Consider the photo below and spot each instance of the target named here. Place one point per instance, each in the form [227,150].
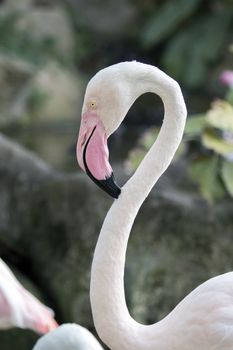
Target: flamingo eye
[92,104]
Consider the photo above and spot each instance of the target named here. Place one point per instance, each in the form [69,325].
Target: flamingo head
[106,102]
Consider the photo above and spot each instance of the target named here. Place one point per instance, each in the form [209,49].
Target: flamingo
[203,320]
[68,337]
[19,308]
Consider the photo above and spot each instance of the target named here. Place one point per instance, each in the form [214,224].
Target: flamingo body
[204,319]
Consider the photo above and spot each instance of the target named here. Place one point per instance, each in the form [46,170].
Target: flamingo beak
[92,154]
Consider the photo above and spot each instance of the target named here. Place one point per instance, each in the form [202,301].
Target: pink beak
[19,308]
[92,153]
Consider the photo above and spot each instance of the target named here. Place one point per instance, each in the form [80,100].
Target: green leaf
[195,125]
[227,176]
[221,115]
[166,19]
[229,96]
[205,172]
[189,62]
[180,152]
[212,141]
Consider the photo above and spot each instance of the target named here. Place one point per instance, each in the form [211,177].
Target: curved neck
[111,317]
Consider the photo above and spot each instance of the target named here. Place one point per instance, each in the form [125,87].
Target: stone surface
[11,4]
[31,94]
[37,76]
[38,190]
[50,223]
[43,20]
[14,77]
[49,24]
[55,93]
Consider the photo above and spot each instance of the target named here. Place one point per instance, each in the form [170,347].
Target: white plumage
[68,337]
[204,319]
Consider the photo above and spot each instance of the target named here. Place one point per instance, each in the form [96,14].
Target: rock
[14,77]
[25,4]
[43,22]
[55,93]
[51,221]
[184,245]
[36,75]
[17,339]
[31,94]
[51,25]
[55,187]
[11,4]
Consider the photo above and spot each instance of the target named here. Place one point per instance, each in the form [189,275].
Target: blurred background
[50,213]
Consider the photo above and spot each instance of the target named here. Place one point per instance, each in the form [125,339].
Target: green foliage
[36,99]
[213,170]
[167,18]
[195,35]
[205,171]
[190,53]
[19,43]
[215,142]
[194,126]
[229,96]
[209,140]
[227,176]
[220,116]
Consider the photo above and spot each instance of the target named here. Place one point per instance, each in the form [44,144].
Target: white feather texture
[68,337]
[204,319]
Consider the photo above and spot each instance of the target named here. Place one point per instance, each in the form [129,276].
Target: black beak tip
[109,185]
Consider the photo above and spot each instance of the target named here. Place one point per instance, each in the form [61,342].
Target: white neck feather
[111,317]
